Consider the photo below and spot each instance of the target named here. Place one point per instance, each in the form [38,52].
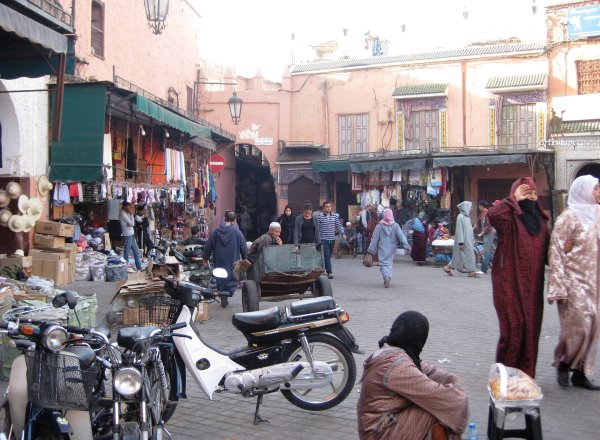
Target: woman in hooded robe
[574,283]
[418,251]
[518,275]
[384,242]
[463,253]
[403,397]
[370,230]
[287,222]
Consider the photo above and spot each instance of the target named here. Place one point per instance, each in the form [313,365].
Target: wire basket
[56,380]
[158,310]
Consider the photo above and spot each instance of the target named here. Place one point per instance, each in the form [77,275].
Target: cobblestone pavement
[463,335]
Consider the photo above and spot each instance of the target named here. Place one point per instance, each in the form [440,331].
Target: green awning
[78,155]
[388,165]
[171,118]
[490,159]
[328,166]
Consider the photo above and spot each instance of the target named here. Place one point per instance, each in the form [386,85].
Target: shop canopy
[29,48]
[171,118]
[472,159]
[78,155]
[388,165]
[330,166]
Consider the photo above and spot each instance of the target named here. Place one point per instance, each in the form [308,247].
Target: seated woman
[403,397]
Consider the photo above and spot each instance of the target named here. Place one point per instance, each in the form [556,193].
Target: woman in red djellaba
[518,275]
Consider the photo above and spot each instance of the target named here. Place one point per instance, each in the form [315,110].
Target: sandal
[473,275]
[448,271]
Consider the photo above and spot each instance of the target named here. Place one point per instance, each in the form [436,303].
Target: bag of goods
[511,384]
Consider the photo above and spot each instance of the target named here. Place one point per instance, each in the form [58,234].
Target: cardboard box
[202,314]
[131,316]
[69,252]
[54,228]
[56,270]
[24,262]
[48,241]
[44,254]
[156,270]
[65,210]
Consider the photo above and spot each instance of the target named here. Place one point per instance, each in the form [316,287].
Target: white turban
[274,225]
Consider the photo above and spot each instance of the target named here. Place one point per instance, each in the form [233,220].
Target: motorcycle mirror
[59,300]
[219,272]
[71,299]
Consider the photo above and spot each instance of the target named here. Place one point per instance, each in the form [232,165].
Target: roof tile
[507,82]
[421,89]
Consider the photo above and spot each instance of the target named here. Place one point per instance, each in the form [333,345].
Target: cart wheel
[322,287]
[250,297]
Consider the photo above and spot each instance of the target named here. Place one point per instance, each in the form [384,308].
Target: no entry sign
[216,164]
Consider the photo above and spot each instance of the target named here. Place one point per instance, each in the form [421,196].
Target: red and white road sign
[216,164]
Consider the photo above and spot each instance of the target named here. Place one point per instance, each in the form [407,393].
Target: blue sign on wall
[584,22]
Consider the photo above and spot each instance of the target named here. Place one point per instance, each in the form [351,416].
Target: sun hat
[13,189]
[44,185]
[34,211]
[4,198]
[5,216]
[16,223]
[23,203]
[29,223]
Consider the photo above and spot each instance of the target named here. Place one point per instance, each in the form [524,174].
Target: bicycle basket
[56,380]
[157,310]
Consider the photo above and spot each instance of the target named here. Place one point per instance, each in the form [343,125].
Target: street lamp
[156,14]
[235,108]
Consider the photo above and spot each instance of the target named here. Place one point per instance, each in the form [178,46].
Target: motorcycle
[190,259]
[306,352]
[56,386]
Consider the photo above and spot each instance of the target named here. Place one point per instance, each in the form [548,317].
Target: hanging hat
[17,253]
[35,208]
[44,185]
[13,189]
[23,203]
[16,223]
[5,215]
[4,198]
[29,223]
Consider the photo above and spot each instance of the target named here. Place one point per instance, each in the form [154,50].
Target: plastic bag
[368,260]
[510,384]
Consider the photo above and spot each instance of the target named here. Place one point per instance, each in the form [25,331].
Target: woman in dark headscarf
[518,275]
[403,397]
[287,222]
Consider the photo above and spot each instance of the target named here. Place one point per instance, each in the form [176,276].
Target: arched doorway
[301,190]
[590,168]
[254,188]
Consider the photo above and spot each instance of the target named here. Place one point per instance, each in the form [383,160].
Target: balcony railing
[128,85]
[57,9]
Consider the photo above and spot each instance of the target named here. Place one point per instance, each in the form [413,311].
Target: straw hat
[23,203]
[44,185]
[16,223]
[13,189]
[4,199]
[35,208]
[5,215]
[29,223]
[17,253]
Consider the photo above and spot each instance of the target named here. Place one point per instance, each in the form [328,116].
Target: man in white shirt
[127,223]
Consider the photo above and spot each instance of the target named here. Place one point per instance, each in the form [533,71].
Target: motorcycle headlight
[55,338]
[127,381]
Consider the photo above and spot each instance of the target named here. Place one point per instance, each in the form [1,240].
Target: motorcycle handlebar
[77,329]
[178,326]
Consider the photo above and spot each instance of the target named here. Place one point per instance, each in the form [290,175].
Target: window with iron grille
[422,131]
[98,28]
[353,134]
[517,126]
[588,76]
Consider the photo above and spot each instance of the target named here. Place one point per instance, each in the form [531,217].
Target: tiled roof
[517,81]
[580,126]
[468,52]
[421,89]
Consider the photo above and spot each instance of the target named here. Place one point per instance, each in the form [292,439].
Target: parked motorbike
[306,353]
[56,388]
[190,259]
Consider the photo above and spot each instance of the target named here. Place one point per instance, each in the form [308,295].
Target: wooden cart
[282,272]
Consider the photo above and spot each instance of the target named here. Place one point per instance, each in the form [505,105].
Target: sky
[257,35]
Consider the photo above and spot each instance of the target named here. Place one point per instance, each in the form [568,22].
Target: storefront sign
[216,163]
[263,141]
[584,22]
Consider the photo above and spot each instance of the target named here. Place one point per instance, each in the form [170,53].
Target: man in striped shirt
[329,223]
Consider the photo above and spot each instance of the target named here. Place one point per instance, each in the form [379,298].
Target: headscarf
[409,332]
[582,201]
[388,217]
[531,214]
[465,207]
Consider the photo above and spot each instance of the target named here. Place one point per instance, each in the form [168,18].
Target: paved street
[463,331]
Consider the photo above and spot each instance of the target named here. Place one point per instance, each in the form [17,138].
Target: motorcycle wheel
[250,297]
[5,420]
[159,408]
[331,350]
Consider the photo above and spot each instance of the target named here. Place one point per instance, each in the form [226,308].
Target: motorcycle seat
[86,355]
[132,338]
[312,305]
[250,322]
